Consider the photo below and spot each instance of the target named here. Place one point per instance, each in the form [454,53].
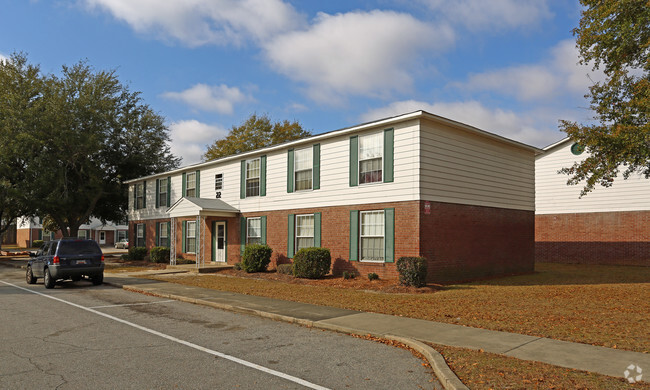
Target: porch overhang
[193,207]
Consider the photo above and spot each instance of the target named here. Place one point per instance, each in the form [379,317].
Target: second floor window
[253,177]
[190,185]
[303,163]
[162,193]
[139,196]
[371,148]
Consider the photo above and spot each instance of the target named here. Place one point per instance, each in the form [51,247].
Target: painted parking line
[179,341]
[131,304]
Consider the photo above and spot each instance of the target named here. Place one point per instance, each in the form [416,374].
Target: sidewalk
[601,360]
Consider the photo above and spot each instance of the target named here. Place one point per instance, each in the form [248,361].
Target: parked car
[122,244]
[66,259]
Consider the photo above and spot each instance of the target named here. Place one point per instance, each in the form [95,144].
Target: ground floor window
[253,230]
[82,234]
[190,237]
[139,235]
[304,231]
[372,235]
[163,235]
[121,235]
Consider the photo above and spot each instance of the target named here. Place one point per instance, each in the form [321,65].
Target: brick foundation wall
[610,238]
[463,242]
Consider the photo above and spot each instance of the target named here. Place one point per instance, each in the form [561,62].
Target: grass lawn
[599,305]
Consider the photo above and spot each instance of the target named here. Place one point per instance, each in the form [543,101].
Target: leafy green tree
[255,133]
[90,133]
[615,35]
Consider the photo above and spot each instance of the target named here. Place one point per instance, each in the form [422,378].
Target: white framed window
[162,193]
[303,168]
[372,235]
[190,185]
[82,234]
[253,177]
[253,230]
[190,237]
[163,235]
[304,231]
[139,196]
[371,150]
[218,181]
[121,235]
[139,235]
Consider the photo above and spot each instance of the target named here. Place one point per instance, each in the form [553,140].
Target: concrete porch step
[204,269]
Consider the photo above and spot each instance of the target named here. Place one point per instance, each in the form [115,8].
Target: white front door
[219,242]
[102,237]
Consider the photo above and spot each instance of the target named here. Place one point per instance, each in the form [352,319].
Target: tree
[90,135]
[255,133]
[615,35]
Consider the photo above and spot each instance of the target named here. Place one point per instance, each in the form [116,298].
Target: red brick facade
[615,238]
[460,242]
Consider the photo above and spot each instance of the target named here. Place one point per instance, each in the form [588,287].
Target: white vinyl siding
[253,231]
[371,150]
[554,196]
[304,231]
[303,168]
[371,238]
[465,168]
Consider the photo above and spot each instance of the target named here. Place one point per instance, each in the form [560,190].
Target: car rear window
[79,248]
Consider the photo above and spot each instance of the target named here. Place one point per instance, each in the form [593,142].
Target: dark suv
[66,259]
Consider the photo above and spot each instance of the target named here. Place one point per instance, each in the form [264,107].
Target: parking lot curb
[445,375]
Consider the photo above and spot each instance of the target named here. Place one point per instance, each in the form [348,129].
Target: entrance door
[219,242]
[102,237]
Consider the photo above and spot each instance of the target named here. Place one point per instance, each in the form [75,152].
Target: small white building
[30,229]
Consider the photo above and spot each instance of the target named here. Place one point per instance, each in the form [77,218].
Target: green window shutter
[169,193]
[184,188]
[389,235]
[316,167]
[198,184]
[263,223]
[290,238]
[144,195]
[290,170]
[354,235]
[354,161]
[213,253]
[157,235]
[157,192]
[183,240]
[144,234]
[40,234]
[242,230]
[389,155]
[242,182]
[317,223]
[263,176]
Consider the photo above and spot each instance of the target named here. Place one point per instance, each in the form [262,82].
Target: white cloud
[528,128]
[190,139]
[492,14]
[3,57]
[558,75]
[358,53]
[200,22]
[219,98]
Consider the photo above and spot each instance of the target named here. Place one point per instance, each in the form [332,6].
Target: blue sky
[506,66]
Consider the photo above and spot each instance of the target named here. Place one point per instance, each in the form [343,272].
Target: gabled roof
[191,207]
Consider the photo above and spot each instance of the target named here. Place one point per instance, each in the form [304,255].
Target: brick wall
[463,242]
[615,238]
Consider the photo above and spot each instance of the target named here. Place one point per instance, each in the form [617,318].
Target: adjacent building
[411,185]
[607,226]
[106,234]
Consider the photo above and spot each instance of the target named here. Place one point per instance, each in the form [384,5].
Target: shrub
[312,263]
[348,275]
[412,271]
[256,258]
[237,266]
[159,254]
[373,276]
[37,243]
[137,253]
[181,260]
[285,269]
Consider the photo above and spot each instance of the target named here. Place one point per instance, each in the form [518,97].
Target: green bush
[412,271]
[37,243]
[237,266]
[285,269]
[256,258]
[137,253]
[159,254]
[312,263]
[348,275]
[373,276]
[181,260]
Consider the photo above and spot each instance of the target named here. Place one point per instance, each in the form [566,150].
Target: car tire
[98,279]
[29,276]
[48,280]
